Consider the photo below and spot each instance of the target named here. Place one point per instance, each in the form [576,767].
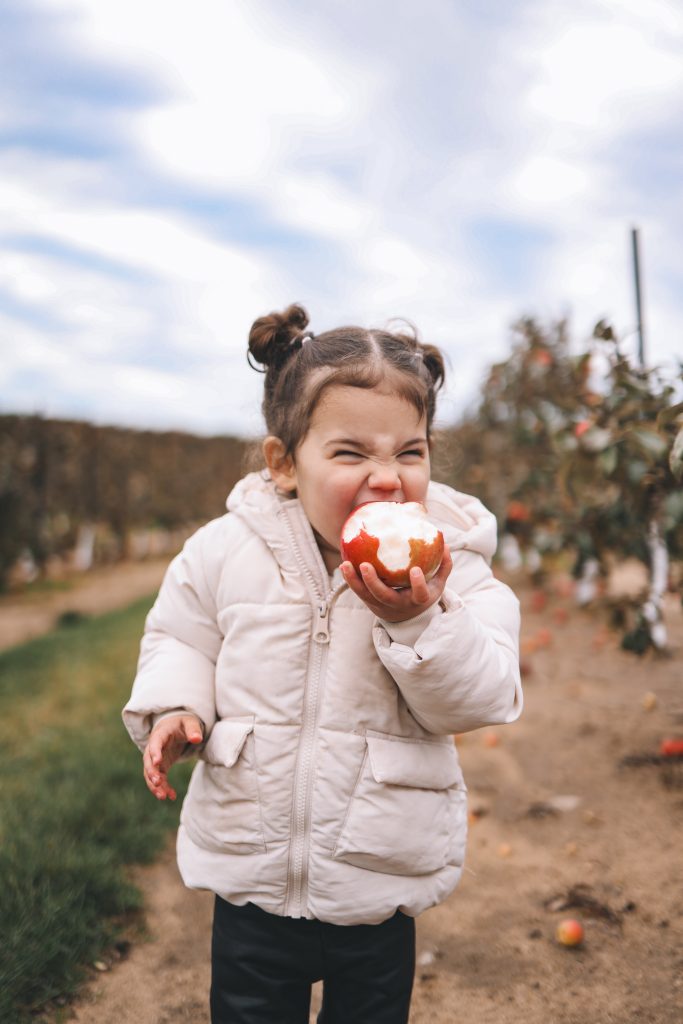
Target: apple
[541,357]
[671,748]
[518,512]
[393,536]
[569,932]
[544,637]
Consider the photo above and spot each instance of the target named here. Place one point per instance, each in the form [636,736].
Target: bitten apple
[393,536]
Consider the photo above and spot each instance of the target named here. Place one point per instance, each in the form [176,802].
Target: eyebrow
[359,444]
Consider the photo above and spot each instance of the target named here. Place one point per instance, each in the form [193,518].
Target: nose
[384,477]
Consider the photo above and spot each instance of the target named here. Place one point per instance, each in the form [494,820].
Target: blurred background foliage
[579,452]
[66,485]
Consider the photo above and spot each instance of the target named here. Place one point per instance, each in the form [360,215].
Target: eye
[347,454]
[414,451]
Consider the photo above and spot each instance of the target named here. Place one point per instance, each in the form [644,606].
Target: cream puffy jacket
[328,785]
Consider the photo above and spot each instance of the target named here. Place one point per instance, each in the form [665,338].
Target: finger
[156,744]
[192,729]
[158,785]
[446,565]
[352,578]
[379,590]
[418,585]
[147,764]
[151,773]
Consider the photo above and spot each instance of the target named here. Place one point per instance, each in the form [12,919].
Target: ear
[280,466]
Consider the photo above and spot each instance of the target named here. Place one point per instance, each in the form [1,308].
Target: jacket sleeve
[179,648]
[462,671]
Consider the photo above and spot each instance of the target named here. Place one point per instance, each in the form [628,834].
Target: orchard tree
[510,445]
[571,457]
[620,471]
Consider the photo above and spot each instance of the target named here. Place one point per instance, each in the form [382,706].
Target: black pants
[263,966]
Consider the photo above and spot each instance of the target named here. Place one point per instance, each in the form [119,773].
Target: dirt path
[488,954]
[25,616]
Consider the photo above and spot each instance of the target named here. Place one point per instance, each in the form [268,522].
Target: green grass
[74,810]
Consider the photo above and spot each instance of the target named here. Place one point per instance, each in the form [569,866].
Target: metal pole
[639,301]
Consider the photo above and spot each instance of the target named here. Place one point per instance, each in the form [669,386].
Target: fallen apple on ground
[569,932]
[394,537]
[544,637]
[671,748]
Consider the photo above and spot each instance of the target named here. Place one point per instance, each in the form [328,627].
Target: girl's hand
[168,739]
[397,605]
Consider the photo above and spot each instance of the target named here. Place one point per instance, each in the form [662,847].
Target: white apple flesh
[393,536]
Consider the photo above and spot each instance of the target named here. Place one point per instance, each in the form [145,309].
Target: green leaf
[595,439]
[604,331]
[676,456]
[636,470]
[649,442]
[608,460]
[669,415]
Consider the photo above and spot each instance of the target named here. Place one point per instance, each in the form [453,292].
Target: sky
[170,171]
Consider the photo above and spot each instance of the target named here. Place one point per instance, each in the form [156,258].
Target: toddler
[327,809]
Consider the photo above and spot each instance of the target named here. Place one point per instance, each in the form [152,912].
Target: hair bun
[271,336]
[434,362]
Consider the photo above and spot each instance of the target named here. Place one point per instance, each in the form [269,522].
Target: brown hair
[300,366]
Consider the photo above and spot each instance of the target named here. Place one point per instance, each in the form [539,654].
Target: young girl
[328,808]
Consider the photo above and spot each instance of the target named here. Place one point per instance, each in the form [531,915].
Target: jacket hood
[465,522]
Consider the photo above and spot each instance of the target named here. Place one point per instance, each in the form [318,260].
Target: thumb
[192,729]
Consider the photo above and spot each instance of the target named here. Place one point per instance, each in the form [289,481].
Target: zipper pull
[322,632]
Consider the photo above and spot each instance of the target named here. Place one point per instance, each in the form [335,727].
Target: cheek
[331,501]
[416,483]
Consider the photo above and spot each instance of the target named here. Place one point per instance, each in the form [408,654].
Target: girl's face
[362,445]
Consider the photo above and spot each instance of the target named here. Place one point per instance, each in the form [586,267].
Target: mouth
[371,501]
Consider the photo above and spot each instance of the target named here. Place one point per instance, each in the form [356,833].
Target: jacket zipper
[297,871]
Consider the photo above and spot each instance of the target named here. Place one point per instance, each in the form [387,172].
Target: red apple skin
[671,748]
[569,932]
[364,548]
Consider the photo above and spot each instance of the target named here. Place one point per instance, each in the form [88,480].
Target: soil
[35,611]
[572,814]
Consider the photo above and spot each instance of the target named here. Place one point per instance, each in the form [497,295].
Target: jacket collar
[282,524]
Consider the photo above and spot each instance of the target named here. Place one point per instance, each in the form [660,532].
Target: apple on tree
[393,536]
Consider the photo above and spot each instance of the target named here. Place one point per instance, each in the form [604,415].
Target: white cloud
[597,75]
[202,278]
[547,181]
[244,89]
[353,146]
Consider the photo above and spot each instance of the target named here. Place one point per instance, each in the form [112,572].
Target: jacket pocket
[223,808]
[407,814]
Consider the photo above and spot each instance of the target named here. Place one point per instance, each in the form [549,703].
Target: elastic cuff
[408,631]
[170,714]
